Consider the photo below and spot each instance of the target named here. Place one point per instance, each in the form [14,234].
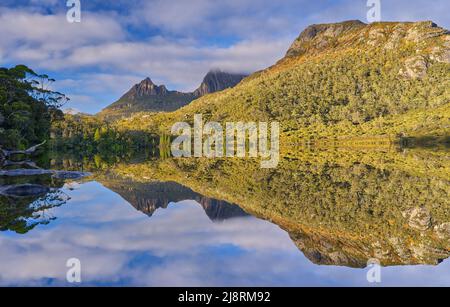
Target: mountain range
[150,197]
[149,97]
[340,79]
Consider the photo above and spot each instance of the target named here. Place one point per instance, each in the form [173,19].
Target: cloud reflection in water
[178,246]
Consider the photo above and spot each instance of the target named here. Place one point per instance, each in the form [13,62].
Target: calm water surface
[164,234]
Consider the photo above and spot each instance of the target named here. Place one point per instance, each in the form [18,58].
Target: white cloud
[176,41]
[52,33]
[175,62]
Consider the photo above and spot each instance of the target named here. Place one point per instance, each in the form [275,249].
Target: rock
[64,175]
[147,96]
[443,231]
[429,254]
[70,175]
[400,248]
[396,37]
[24,190]
[415,68]
[216,81]
[318,36]
[419,218]
[376,36]
[424,30]
[442,54]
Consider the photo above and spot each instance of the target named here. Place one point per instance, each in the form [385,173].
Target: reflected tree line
[28,202]
[340,209]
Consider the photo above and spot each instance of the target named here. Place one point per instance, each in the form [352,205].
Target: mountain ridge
[147,96]
[339,79]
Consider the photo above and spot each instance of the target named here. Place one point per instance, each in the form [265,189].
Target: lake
[316,220]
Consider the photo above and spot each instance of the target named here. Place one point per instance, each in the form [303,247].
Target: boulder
[24,190]
[419,218]
[415,68]
[63,175]
[443,231]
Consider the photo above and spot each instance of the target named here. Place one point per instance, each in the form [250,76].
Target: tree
[27,107]
[97,135]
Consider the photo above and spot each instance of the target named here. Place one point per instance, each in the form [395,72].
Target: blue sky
[118,43]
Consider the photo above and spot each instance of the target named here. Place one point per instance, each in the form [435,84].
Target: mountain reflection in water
[228,223]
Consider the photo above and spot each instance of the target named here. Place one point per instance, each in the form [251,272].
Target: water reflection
[177,246]
[149,197]
[160,223]
[23,206]
[119,245]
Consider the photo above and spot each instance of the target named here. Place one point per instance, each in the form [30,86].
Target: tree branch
[29,151]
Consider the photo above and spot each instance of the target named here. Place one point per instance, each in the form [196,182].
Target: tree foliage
[27,107]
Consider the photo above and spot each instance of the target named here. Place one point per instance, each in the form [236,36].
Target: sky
[119,43]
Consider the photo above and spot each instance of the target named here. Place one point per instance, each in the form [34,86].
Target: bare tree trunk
[29,164]
[29,151]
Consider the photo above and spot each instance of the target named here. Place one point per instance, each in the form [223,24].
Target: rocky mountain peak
[318,35]
[146,88]
[217,80]
[147,81]
[356,34]
[147,96]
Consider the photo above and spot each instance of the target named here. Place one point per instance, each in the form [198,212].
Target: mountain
[149,97]
[75,112]
[216,81]
[146,96]
[342,79]
[150,197]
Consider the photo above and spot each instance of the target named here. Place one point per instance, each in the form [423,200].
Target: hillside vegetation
[340,79]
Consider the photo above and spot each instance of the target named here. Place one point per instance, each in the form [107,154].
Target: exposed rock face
[442,54]
[415,67]
[216,81]
[443,231]
[325,251]
[418,218]
[148,97]
[219,211]
[423,30]
[321,36]
[389,36]
[144,89]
